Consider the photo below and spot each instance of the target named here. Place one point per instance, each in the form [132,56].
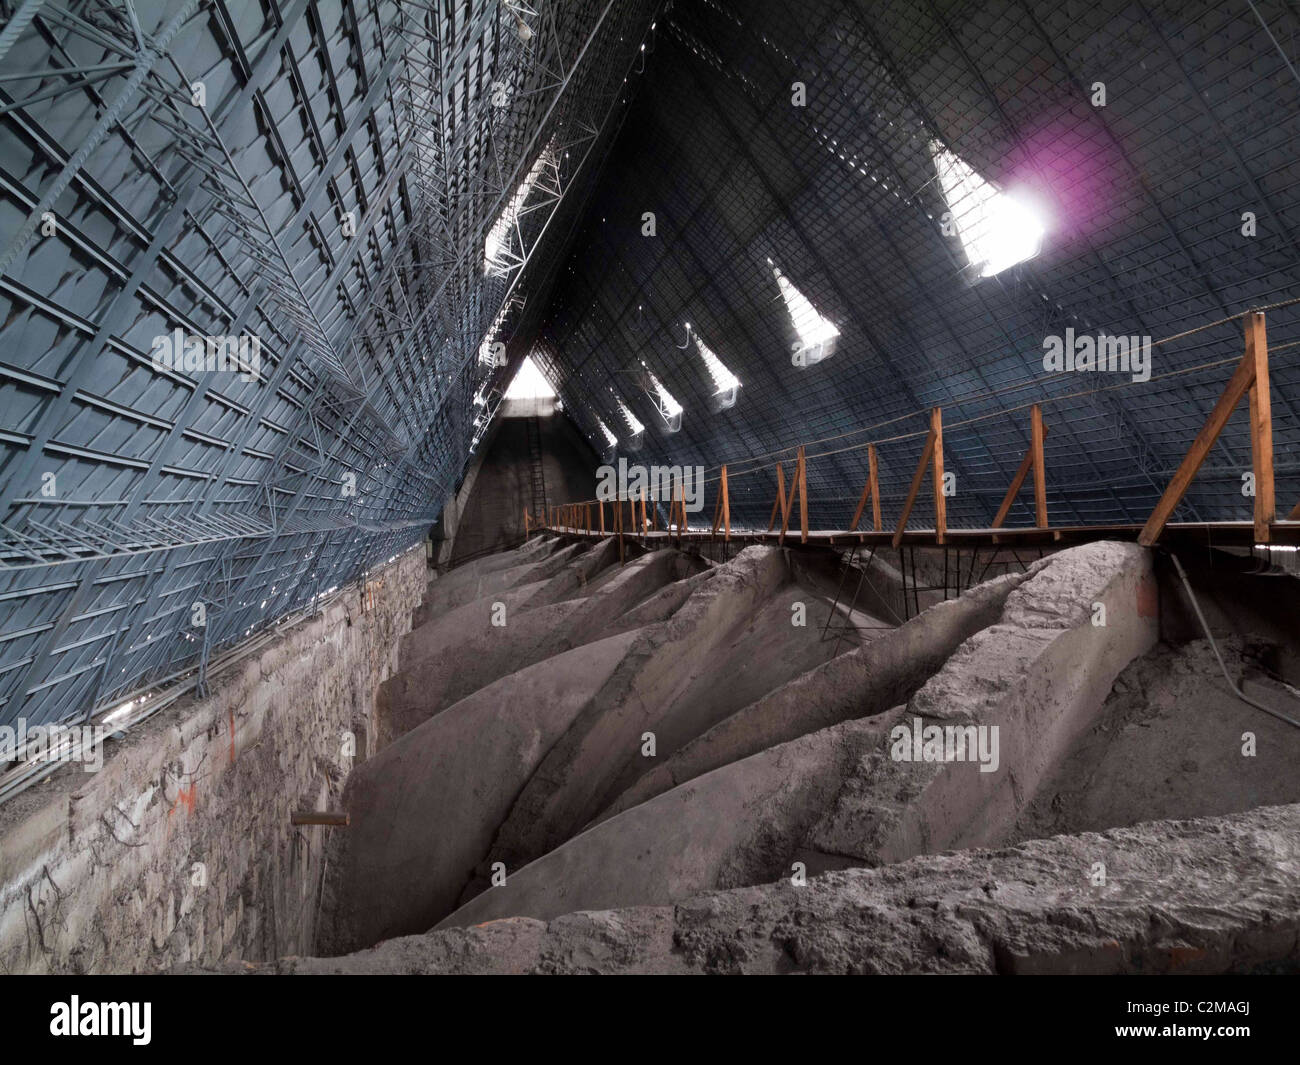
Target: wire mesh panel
[1149,142]
[244,298]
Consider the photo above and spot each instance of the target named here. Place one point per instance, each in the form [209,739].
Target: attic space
[671,487]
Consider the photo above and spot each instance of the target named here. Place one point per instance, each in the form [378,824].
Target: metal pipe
[1196,606]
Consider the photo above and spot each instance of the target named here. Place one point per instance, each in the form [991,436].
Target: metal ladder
[537,473]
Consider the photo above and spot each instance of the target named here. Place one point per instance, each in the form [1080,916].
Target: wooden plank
[1261,427]
[726,508]
[601,504]
[873,481]
[1237,387]
[927,453]
[1037,435]
[804,497]
[940,500]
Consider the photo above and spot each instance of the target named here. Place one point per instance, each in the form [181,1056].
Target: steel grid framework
[318,175]
[1147,193]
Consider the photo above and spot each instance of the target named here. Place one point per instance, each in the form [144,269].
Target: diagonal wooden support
[931,455]
[799,483]
[1033,460]
[780,503]
[722,509]
[678,510]
[1238,386]
[870,491]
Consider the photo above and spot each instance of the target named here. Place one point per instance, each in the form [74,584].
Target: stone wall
[180,849]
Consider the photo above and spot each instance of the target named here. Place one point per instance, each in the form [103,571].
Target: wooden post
[871,490]
[1261,428]
[644,525]
[618,526]
[940,500]
[1237,387]
[804,498]
[726,508]
[1037,435]
[601,505]
[927,455]
[1033,460]
[780,497]
[722,509]
[798,483]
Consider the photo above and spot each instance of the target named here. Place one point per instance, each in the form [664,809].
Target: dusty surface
[1170,744]
[1214,895]
[868,680]
[510,738]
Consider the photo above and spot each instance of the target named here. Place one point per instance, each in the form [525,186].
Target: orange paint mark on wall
[1148,598]
[184,797]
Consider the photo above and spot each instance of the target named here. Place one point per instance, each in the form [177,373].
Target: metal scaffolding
[315,175]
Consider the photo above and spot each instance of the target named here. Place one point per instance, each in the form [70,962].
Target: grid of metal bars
[318,175]
[1147,193]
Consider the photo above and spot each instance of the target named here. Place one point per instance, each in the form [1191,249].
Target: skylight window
[996,230]
[497,257]
[817,335]
[726,384]
[610,438]
[529,382]
[669,409]
[631,419]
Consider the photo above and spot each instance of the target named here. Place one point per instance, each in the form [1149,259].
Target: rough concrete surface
[1211,895]
[180,848]
[1040,676]
[867,680]
[1174,741]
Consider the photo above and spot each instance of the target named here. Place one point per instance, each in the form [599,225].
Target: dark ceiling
[1146,196]
[332,192]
